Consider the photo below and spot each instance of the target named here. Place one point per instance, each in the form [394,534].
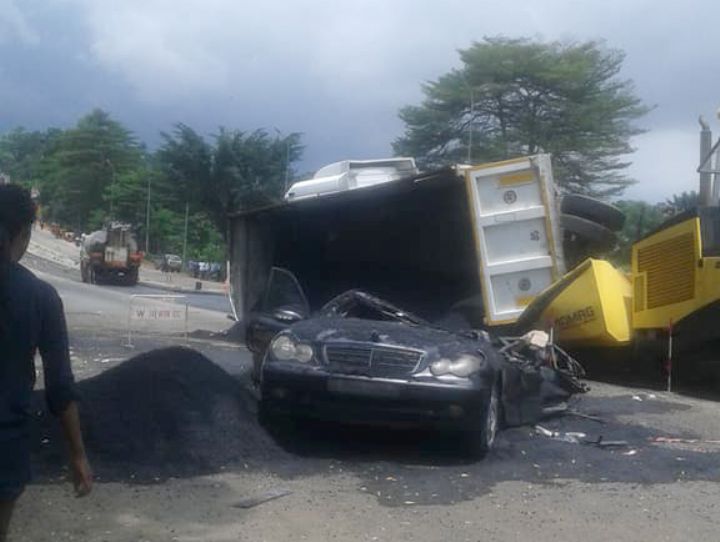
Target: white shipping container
[517,233]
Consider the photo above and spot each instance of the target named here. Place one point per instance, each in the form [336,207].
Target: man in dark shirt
[31,320]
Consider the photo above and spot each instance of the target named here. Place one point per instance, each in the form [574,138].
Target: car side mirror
[287,316]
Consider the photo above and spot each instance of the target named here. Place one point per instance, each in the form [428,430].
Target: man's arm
[60,386]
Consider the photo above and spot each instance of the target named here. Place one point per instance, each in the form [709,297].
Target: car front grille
[381,361]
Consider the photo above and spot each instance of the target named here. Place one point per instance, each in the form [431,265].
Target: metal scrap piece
[269,495]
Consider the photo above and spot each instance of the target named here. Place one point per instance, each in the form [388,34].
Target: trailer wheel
[594,210]
[597,234]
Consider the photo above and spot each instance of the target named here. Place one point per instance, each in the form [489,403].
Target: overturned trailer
[466,246]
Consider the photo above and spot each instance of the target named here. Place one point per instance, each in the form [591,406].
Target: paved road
[211,302]
[104,308]
[370,484]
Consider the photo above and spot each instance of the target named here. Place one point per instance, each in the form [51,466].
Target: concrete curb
[176,289]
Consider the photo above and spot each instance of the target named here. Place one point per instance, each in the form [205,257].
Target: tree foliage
[235,170]
[78,170]
[97,171]
[517,96]
[640,219]
[21,153]
[679,203]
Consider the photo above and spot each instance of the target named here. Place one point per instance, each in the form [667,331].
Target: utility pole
[709,175]
[287,164]
[705,192]
[472,117]
[112,188]
[187,214]
[147,218]
[470,126]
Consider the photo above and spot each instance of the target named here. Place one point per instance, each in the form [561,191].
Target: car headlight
[285,348]
[463,366]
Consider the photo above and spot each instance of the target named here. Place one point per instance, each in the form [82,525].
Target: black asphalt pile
[168,412]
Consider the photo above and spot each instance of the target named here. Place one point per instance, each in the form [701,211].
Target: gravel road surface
[660,483]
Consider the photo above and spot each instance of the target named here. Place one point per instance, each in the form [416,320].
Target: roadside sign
[143,312]
[156,308]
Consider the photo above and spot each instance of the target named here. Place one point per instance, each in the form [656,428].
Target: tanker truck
[110,255]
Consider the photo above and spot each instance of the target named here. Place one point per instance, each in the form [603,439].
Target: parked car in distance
[171,263]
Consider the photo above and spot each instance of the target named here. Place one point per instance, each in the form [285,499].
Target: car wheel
[597,211]
[482,439]
[256,368]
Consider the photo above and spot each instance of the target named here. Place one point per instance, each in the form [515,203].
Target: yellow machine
[674,284]
[676,271]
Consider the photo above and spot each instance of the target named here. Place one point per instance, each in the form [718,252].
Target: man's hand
[79,465]
[82,475]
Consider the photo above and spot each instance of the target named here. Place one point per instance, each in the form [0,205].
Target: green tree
[514,97]
[679,203]
[83,165]
[237,170]
[21,153]
[640,219]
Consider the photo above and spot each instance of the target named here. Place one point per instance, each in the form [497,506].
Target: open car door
[283,304]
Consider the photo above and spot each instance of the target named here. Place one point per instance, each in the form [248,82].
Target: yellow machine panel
[668,276]
[587,307]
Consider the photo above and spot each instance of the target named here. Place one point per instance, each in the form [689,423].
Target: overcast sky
[337,70]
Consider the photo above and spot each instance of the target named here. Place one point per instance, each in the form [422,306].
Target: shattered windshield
[357,304]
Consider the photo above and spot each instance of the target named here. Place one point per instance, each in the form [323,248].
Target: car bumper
[296,390]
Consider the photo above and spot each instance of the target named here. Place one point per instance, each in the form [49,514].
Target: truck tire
[596,234]
[594,210]
[131,279]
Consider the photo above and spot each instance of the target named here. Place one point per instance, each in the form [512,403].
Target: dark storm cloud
[336,70]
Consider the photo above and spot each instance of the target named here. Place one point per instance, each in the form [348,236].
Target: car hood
[434,341]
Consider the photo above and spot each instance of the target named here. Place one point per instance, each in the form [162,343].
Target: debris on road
[579,438]
[538,378]
[571,412]
[267,496]
[571,437]
[687,444]
[600,442]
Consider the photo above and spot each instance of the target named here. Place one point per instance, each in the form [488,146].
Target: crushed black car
[364,360]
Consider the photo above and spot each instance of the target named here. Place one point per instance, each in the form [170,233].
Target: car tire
[257,358]
[597,234]
[594,210]
[482,438]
